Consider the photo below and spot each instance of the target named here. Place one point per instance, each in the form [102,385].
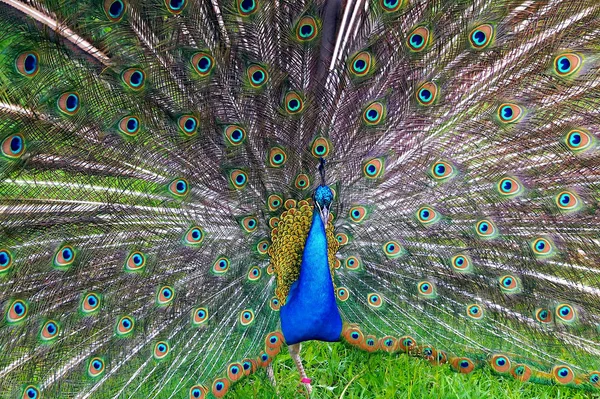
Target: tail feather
[149,148]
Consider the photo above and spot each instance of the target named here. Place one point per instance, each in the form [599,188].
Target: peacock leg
[271,375]
[295,353]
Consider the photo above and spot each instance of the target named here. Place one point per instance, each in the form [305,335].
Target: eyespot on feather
[418,39]
[374,113]
[521,372]
[426,289]
[567,64]
[64,257]
[188,124]
[194,236]
[16,311]
[161,350]
[68,103]
[293,103]
[175,6]
[135,261]
[461,263]
[220,387]
[31,392]
[427,93]
[302,181]
[342,294]
[28,64]
[463,365]
[249,224]
[442,170]
[543,315]
[238,179]
[199,316]
[579,140]
[198,392]
[49,331]
[427,215]
[567,201]
[90,303]
[486,229]
[221,265]
[509,113]
[247,7]
[481,36]
[96,367]
[374,300]
[307,29]
[509,187]
[475,311]
[390,6]
[510,284]
[358,213]
[165,295]
[134,78]
[125,326]
[234,134]
[565,313]
[373,168]
[246,317]
[500,363]
[13,147]
[352,263]
[6,260]
[203,63]
[321,147]
[129,125]
[115,9]
[277,157]
[257,76]
[361,64]
[563,374]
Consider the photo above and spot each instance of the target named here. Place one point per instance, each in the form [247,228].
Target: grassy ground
[341,372]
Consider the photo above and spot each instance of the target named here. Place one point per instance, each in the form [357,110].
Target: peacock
[190,187]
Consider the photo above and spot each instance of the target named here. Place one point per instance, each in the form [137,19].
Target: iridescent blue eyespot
[114,9]
[481,36]
[418,38]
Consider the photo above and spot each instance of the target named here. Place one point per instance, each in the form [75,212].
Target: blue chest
[311,312]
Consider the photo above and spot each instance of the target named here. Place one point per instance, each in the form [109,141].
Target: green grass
[342,372]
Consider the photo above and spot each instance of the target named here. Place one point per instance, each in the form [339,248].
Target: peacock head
[323,197]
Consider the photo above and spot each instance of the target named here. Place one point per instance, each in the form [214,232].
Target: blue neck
[311,312]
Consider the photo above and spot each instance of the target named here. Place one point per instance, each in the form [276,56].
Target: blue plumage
[311,311]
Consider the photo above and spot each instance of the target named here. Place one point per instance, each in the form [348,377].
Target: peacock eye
[481,36]
[247,7]
[418,39]
[306,29]
[238,178]
[13,147]
[509,113]
[321,147]
[257,76]
[175,6]
[390,6]
[374,113]
[202,63]
[361,64]
[27,64]
[165,296]
[277,157]
[578,140]
[567,64]
[293,103]
[427,93]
